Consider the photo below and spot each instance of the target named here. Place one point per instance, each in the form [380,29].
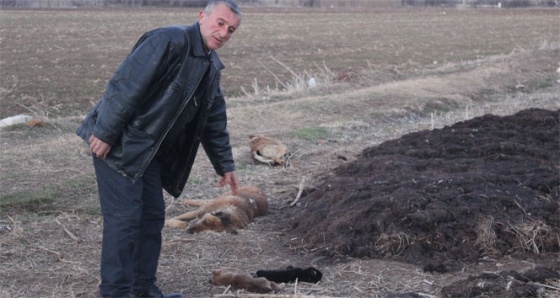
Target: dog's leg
[260,158]
[195,203]
[188,216]
[182,221]
[277,286]
[174,223]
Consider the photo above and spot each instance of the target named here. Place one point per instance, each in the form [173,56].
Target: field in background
[56,63]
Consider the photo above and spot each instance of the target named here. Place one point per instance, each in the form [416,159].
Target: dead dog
[268,150]
[291,274]
[224,213]
[242,280]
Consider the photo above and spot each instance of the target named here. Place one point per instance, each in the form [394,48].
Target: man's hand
[231,180]
[98,147]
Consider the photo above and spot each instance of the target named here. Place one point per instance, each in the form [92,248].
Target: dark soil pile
[503,284]
[483,188]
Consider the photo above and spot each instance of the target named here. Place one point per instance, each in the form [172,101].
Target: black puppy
[291,274]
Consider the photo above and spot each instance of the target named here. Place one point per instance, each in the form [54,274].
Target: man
[163,101]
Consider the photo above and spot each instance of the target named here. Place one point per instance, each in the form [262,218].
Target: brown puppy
[268,150]
[224,213]
[242,280]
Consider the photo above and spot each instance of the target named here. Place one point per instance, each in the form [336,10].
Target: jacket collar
[198,50]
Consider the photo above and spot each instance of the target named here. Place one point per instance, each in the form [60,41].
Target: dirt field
[39,47]
[435,180]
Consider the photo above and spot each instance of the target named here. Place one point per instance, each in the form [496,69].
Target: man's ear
[200,15]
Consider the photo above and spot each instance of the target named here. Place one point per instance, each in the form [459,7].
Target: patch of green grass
[541,84]
[241,166]
[31,202]
[17,127]
[91,209]
[311,133]
[438,105]
[76,195]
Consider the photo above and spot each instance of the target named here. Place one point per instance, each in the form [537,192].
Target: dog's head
[216,277]
[217,221]
[312,275]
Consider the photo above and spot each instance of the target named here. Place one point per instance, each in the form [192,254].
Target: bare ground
[50,248]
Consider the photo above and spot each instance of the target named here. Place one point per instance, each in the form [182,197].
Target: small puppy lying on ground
[242,280]
[268,150]
[291,274]
[224,213]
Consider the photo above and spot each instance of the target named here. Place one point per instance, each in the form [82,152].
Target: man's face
[217,27]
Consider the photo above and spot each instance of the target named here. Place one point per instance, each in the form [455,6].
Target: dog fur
[268,150]
[224,213]
[242,280]
[291,274]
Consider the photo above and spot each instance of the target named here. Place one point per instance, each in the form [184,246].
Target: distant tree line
[283,3]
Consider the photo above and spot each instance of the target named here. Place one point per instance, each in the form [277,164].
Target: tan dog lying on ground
[268,150]
[242,280]
[224,213]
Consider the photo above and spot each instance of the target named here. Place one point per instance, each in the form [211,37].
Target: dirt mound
[483,188]
[503,284]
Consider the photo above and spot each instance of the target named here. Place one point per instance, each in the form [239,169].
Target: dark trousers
[133,217]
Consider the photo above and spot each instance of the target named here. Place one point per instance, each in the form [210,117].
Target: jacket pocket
[85,130]
[134,151]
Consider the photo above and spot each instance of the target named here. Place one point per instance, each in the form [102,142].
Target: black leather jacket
[145,97]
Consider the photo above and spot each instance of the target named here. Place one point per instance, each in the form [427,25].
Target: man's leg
[121,206]
[148,247]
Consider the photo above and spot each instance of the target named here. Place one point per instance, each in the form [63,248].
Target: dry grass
[486,236]
[531,235]
[50,225]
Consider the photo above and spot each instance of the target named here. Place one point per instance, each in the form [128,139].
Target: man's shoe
[155,292]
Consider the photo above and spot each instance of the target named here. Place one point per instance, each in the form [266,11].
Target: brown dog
[224,213]
[268,150]
[242,280]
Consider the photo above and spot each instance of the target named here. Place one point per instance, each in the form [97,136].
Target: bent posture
[163,101]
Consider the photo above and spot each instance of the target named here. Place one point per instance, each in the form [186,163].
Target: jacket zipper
[203,118]
[172,123]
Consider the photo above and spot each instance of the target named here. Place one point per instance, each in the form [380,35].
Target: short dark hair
[229,3]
